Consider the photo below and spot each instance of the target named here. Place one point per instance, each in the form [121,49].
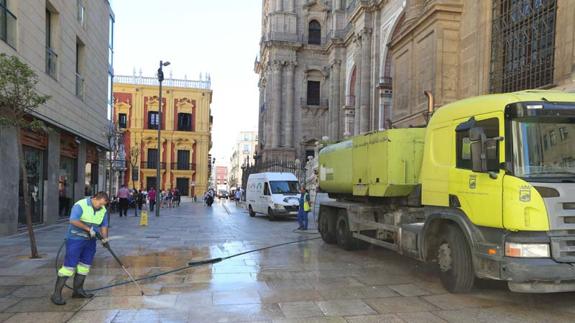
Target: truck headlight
[278,206]
[527,250]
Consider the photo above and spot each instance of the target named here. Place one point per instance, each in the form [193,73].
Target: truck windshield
[284,187]
[544,148]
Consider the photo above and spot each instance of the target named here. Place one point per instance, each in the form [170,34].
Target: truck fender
[436,219]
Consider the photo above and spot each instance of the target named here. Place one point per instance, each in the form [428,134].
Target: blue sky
[220,37]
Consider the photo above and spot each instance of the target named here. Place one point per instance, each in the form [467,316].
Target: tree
[18,98]
[134,159]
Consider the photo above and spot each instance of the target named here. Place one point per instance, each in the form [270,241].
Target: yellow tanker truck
[485,190]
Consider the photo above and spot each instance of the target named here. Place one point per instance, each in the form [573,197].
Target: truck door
[479,195]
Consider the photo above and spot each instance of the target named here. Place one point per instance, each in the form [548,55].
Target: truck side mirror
[478,158]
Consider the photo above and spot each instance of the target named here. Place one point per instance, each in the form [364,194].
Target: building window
[7,24]
[51,56]
[80,57]
[522,44]
[123,121]
[152,159]
[313,92]
[81,16]
[183,160]
[153,120]
[553,137]
[184,122]
[314,33]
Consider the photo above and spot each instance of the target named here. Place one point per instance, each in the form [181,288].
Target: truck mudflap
[538,275]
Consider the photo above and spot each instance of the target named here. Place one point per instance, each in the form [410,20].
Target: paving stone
[48,317]
[399,304]
[457,301]
[505,314]
[409,290]
[300,309]
[420,317]
[345,308]
[236,297]
[384,318]
[102,316]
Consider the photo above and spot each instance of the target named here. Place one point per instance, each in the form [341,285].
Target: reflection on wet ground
[307,282]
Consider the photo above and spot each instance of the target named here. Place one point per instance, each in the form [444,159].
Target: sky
[219,37]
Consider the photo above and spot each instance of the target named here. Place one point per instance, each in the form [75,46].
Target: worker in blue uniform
[88,217]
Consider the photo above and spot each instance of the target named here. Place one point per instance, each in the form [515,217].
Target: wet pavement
[305,282]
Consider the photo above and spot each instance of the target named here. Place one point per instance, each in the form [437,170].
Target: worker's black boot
[79,291]
[57,296]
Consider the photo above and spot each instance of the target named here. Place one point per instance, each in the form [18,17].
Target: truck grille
[563,248]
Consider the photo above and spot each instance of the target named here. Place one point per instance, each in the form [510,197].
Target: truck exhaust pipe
[430,104]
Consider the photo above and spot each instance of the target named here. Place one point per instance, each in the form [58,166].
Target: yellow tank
[380,164]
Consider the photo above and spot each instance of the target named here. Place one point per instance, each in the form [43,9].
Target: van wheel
[455,262]
[343,235]
[251,211]
[271,215]
[326,235]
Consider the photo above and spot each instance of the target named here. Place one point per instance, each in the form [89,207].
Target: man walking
[304,208]
[124,195]
[152,198]
[88,217]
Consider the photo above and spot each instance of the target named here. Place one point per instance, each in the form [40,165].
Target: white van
[273,194]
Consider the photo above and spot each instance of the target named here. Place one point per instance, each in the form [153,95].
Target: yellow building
[186,132]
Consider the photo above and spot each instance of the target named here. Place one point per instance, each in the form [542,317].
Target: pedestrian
[238,196]
[177,197]
[140,199]
[124,196]
[88,218]
[170,198]
[304,208]
[152,198]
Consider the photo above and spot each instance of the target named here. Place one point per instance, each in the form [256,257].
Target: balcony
[314,103]
[151,164]
[183,166]
[7,26]
[51,62]
[79,86]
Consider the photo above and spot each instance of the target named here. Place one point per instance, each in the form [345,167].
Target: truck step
[376,242]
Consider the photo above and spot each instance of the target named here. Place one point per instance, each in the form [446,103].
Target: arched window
[314,32]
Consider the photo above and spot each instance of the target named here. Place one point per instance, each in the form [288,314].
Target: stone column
[291,5]
[335,100]
[51,194]
[289,107]
[10,181]
[276,103]
[279,5]
[338,4]
[364,122]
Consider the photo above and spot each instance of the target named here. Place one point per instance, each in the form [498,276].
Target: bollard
[144,218]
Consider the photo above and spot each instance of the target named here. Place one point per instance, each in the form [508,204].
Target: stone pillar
[335,103]
[289,107]
[276,103]
[364,122]
[279,5]
[51,193]
[10,181]
[291,5]
[81,171]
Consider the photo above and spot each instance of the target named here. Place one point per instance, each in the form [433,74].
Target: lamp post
[159,154]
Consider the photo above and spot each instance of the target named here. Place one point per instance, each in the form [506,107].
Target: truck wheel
[326,235]
[342,233]
[455,262]
[251,211]
[271,215]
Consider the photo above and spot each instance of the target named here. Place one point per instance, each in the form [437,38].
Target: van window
[266,189]
[284,187]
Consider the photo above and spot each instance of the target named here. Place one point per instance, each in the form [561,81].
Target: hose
[190,264]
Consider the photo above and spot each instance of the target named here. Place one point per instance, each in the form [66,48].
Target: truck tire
[455,261]
[251,211]
[343,235]
[271,215]
[326,235]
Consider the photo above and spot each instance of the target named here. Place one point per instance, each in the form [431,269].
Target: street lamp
[158,157]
